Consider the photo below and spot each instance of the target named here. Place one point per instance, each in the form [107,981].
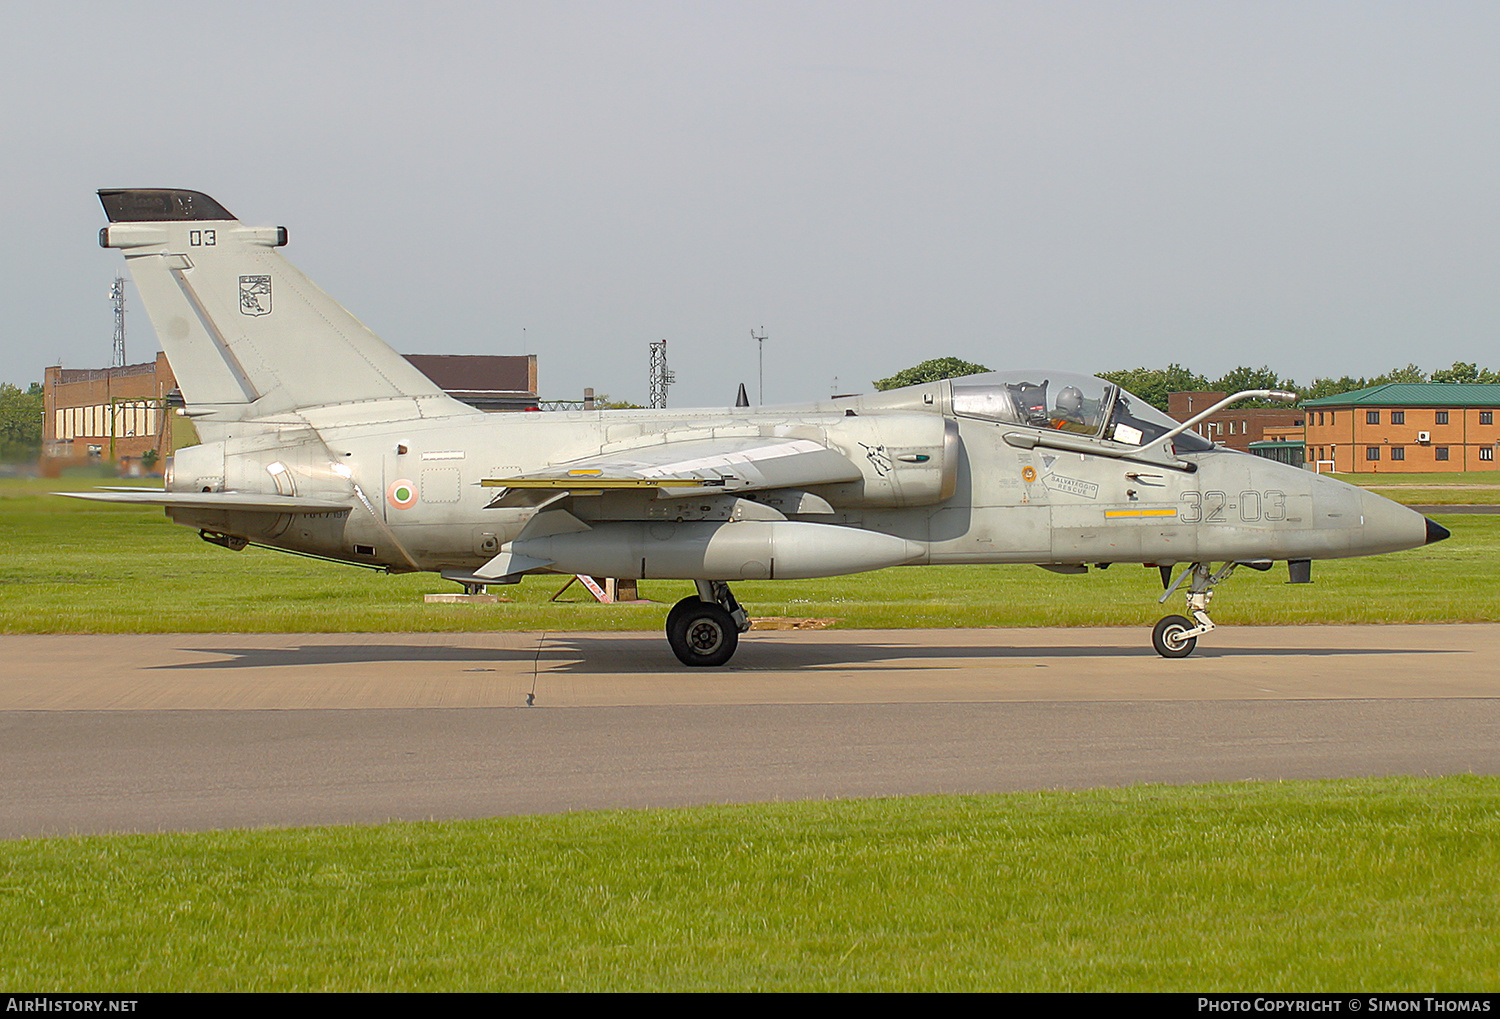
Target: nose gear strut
[1177,636]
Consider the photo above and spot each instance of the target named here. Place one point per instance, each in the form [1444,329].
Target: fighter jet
[320,439]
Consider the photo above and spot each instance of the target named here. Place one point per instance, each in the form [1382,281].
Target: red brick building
[488,382]
[118,414]
[114,414]
[1405,427]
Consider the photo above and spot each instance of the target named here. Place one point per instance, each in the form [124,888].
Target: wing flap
[685,469]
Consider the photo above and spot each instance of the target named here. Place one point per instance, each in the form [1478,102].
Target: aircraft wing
[695,467]
[241,501]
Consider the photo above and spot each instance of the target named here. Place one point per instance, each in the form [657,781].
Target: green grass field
[68,566]
[1432,489]
[1368,886]
[1424,479]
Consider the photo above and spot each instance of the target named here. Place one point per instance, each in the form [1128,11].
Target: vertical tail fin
[248,335]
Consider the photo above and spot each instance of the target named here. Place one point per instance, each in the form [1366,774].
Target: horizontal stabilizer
[250,502]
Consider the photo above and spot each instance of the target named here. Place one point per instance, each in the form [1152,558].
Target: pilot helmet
[1070,403]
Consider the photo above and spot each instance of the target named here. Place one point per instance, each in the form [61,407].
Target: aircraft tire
[1168,640]
[692,601]
[702,634]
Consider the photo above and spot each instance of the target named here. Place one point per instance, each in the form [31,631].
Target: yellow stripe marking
[1141,513]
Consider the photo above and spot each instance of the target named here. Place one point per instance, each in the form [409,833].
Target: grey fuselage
[957,489]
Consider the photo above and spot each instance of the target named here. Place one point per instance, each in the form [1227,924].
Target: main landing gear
[704,629]
[1176,636]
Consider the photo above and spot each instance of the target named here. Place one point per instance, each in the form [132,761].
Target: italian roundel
[402,494]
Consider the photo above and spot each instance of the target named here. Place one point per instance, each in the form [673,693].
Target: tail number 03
[1249,507]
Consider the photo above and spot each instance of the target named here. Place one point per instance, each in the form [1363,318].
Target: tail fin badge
[255,295]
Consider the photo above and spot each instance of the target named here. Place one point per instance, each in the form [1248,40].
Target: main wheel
[1168,637]
[702,634]
[692,601]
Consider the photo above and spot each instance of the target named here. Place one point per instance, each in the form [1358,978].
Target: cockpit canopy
[1066,402]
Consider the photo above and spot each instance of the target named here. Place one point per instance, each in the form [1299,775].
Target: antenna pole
[117,295]
[760,343]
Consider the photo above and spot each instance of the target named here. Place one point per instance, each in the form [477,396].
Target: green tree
[20,422]
[602,401]
[1331,387]
[1411,373]
[1153,384]
[1460,372]
[1243,378]
[931,371]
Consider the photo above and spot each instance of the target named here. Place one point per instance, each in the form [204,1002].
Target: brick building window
[1398,452]
[1440,453]
[1440,418]
[1398,417]
[1372,452]
[1486,417]
[1487,453]
[1372,417]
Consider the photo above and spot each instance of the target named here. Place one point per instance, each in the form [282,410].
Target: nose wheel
[1170,637]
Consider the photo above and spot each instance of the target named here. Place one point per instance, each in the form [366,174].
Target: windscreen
[1135,422]
[1057,400]
[1066,402]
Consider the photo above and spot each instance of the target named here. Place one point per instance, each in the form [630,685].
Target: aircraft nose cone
[1436,531]
[1387,526]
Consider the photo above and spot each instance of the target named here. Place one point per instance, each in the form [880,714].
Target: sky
[1085,185]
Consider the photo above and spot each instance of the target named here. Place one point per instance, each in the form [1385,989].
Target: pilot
[1067,413]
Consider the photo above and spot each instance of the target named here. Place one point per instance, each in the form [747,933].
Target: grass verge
[1372,885]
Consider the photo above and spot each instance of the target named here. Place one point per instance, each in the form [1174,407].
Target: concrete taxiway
[193,731]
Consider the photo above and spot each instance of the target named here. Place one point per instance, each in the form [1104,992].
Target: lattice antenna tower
[661,375]
[117,295]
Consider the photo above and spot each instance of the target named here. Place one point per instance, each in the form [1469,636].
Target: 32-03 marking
[1212,507]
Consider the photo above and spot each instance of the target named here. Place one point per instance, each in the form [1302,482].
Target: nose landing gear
[1177,636]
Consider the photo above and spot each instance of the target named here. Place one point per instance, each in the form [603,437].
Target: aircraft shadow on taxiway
[609,655]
